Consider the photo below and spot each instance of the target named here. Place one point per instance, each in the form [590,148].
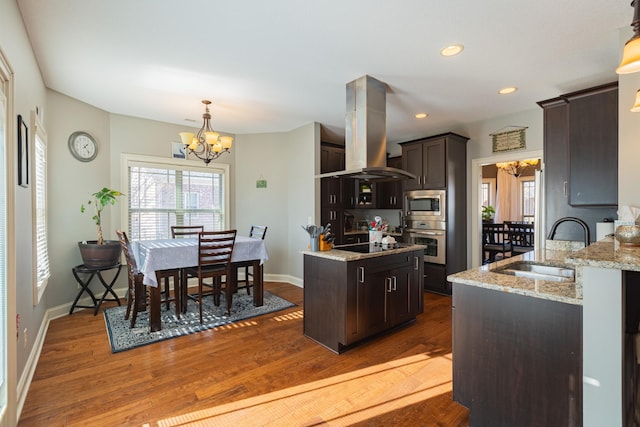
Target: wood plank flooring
[260,372]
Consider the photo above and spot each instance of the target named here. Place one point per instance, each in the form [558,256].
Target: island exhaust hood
[365,134]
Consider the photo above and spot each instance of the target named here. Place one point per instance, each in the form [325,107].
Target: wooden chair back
[522,237]
[215,248]
[258,231]
[136,298]
[495,240]
[182,231]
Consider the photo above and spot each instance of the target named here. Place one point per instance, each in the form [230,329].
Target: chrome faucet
[585,227]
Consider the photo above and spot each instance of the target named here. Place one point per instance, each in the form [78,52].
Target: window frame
[38,133]
[521,182]
[492,189]
[126,159]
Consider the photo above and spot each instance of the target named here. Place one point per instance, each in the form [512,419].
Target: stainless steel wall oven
[431,234]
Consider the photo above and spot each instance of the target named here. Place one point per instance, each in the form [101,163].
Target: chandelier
[206,144]
[516,168]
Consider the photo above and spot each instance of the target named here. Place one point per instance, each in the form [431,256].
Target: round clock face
[83,146]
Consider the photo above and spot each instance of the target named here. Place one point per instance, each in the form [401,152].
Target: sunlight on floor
[362,394]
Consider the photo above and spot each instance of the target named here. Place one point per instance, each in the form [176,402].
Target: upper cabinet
[581,157]
[390,193]
[425,159]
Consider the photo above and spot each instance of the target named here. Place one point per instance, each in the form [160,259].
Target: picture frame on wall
[178,150]
[23,153]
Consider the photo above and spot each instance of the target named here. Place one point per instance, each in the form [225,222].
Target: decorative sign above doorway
[509,140]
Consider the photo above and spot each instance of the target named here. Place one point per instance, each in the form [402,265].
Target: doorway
[477,199]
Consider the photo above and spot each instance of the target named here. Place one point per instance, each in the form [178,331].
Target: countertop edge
[339,255]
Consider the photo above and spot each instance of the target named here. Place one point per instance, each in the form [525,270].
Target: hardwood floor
[259,372]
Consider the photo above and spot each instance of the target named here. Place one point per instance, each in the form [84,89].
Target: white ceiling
[275,65]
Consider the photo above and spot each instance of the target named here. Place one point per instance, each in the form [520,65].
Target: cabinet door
[330,192]
[336,218]
[412,162]
[434,164]
[435,279]
[373,308]
[390,193]
[401,298]
[331,159]
[593,149]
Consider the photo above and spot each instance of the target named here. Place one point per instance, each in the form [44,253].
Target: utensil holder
[314,244]
[375,236]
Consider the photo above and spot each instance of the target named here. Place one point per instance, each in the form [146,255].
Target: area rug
[122,337]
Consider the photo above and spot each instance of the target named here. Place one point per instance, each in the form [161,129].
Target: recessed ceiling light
[451,50]
[421,115]
[506,90]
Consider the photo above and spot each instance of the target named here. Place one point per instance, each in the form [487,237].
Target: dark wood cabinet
[390,193]
[347,301]
[435,279]
[517,360]
[427,160]
[441,161]
[581,158]
[336,194]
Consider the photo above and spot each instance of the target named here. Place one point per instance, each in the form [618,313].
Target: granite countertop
[607,253]
[340,255]
[486,277]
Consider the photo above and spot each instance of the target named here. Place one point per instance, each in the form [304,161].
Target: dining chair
[214,261]
[495,240]
[137,294]
[256,232]
[522,237]
[136,297]
[178,231]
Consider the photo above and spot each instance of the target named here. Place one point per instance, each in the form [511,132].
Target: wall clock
[83,146]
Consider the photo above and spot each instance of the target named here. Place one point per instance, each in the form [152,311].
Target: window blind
[40,191]
[162,195]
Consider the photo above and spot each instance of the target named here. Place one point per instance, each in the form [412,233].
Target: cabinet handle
[387,283]
[564,189]
[394,280]
[424,179]
[419,180]
[361,274]
[416,264]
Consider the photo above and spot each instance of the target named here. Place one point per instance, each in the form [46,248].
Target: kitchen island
[538,352]
[354,292]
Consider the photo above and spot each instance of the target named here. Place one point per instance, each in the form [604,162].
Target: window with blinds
[40,215]
[162,195]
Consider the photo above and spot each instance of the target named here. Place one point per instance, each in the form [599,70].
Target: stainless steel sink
[538,271]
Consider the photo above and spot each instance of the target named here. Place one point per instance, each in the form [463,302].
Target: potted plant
[100,252]
[487,213]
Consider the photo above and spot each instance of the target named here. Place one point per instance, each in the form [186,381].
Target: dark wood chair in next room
[214,262]
[256,232]
[178,231]
[495,240]
[522,237]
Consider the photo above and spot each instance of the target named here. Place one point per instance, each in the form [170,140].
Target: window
[488,191]
[39,194]
[162,194]
[527,194]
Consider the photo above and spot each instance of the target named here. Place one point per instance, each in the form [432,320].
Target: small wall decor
[508,140]
[178,150]
[261,182]
[23,153]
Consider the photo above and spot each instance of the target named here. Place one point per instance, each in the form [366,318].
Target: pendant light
[631,55]
[206,145]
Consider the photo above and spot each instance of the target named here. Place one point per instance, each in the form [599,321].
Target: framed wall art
[23,153]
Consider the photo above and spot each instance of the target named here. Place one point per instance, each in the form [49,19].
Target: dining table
[164,254]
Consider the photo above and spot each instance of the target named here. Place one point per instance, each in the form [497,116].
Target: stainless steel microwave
[428,205]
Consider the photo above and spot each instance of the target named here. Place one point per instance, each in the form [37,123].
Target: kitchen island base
[350,299]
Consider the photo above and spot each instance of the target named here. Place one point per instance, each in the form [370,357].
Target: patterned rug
[122,337]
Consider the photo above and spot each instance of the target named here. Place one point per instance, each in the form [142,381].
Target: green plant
[487,212]
[100,200]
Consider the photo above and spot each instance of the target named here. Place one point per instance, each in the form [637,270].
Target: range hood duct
[365,134]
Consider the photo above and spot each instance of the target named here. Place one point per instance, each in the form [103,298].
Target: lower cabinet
[435,279]
[517,360]
[348,301]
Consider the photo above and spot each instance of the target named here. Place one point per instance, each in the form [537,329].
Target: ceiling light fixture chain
[206,144]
